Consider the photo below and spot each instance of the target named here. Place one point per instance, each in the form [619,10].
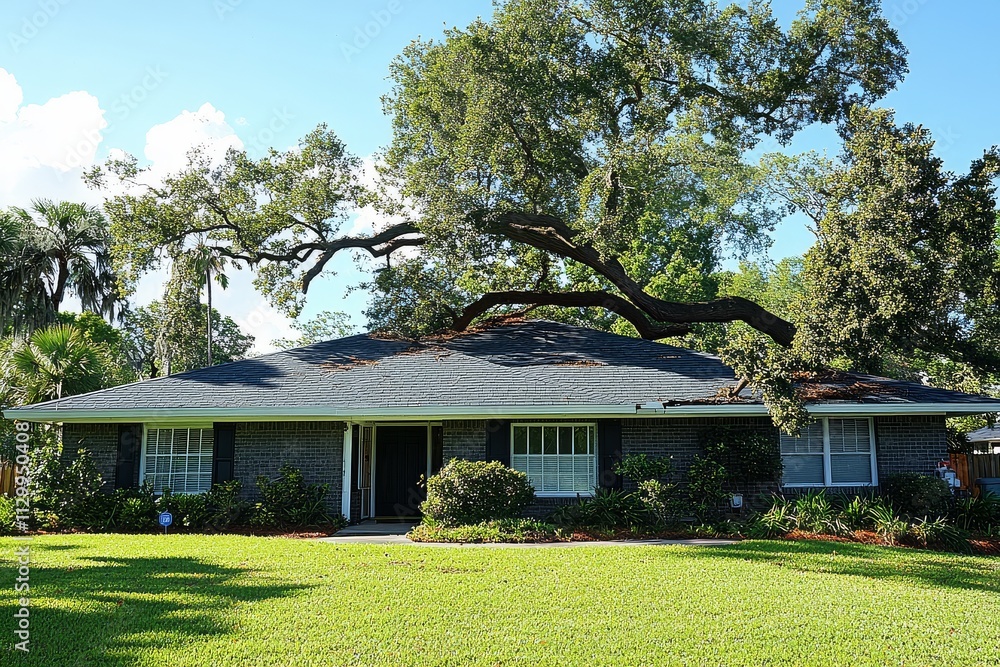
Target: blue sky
[271,71]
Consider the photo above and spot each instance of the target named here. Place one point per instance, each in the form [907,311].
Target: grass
[191,600]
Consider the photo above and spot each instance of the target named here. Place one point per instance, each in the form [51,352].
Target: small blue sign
[166,518]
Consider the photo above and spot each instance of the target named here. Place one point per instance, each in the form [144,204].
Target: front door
[400,460]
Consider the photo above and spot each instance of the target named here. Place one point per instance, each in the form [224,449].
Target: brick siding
[101,441]
[464,440]
[910,444]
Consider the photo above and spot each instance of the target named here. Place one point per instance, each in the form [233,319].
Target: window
[559,459]
[179,459]
[830,452]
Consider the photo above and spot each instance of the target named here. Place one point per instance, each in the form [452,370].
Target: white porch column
[345,496]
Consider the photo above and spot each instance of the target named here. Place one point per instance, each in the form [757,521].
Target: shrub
[706,478]
[815,513]
[917,495]
[749,457]
[504,530]
[979,513]
[289,501]
[225,507]
[939,533]
[855,513]
[190,510]
[778,520]
[887,523]
[663,503]
[607,509]
[472,492]
[133,509]
[640,468]
[7,515]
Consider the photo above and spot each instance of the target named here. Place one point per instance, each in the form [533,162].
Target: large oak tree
[579,154]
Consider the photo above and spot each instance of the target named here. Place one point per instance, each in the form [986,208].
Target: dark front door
[400,460]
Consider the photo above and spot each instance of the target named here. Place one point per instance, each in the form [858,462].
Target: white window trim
[827,471]
[153,426]
[561,494]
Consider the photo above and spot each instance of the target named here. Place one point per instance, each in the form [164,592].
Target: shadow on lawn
[918,567]
[131,605]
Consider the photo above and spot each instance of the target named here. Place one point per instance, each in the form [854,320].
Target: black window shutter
[609,452]
[498,441]
[224,453]
[129,449]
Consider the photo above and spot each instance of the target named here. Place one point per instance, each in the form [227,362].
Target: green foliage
[917,495]
[607,509]
[8,515]
[47,252]
[749,456]
[53,362]
[325,326]
[706,479]
[777,521]
[856,512]
[664,503]
[977,513]
[501,530]
[814,512]
[939,533]
[641,468]
[225,507]
[906,263]
[888,525]
[472,492]
[289,501]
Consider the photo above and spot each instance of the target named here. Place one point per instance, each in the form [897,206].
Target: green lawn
[206,600]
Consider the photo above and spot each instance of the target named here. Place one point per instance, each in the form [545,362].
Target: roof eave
[50,415]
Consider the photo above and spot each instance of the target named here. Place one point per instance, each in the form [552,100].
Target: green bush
[7,515]
[855,512]
[814,512]
[289,501]
[134,509]
[706,478]
[473,492]
[663,502]
[225,507]
[888,525]
[939,533]
[917,495]
[777,521]
[640,468]
[977,513]
[504,530]
[607,509]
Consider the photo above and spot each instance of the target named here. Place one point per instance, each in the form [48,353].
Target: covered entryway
[401,458]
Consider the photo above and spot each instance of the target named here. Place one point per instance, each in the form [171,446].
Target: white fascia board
[187,415]
[315,413]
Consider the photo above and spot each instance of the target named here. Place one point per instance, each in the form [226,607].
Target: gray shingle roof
[987,434]
[536,363]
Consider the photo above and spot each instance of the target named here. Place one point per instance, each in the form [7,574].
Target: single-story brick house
[371,415]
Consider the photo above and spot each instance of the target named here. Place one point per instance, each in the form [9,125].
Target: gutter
[330,413]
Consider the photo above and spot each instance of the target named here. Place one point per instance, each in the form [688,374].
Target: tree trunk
[208,287]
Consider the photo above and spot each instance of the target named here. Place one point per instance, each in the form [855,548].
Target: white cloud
[43,147]
[168,144]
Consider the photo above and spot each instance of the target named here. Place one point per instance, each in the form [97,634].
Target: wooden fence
[7,472]
[971,467]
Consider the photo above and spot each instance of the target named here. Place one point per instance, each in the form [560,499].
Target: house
[370,415]
[986,440]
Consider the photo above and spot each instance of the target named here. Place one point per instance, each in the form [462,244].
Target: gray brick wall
[316,448]
[682,438]
[909,444]
[464,440]
[101,441]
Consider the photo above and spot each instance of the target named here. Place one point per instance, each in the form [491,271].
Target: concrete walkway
[395,533]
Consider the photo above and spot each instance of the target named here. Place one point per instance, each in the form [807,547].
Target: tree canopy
[563,153]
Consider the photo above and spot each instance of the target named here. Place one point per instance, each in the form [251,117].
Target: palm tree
[54,362]
[64,247]
[206,262]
